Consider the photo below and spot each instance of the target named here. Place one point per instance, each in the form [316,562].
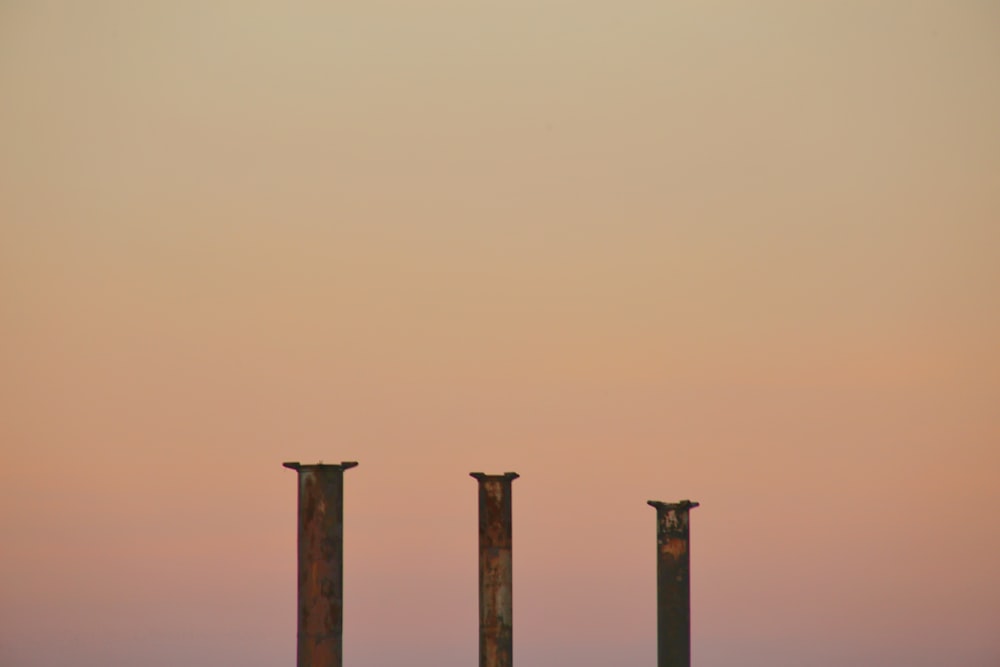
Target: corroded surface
[673,584]
[496,641]
[321,563]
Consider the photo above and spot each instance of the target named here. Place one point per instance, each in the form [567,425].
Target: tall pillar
[673,584]
[321,563]
[496,643]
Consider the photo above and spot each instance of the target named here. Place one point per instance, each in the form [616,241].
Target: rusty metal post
[496,639]
[321,563]
[673,584]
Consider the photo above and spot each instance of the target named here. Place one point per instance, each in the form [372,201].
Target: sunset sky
[746,253]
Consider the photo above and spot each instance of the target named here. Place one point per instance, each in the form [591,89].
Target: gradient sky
[746,253]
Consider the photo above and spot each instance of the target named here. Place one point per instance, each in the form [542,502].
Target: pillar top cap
[682,505]
[481,476]
[295,465]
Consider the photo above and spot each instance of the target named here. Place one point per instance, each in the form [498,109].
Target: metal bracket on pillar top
[481,476]
[682,505]
[295,465]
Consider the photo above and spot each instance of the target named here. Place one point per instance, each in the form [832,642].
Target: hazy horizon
[742,253]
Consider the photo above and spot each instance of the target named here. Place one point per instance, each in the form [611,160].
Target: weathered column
[496,643]
[321,563]
[673,584]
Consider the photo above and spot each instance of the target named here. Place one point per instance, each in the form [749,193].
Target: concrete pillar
[673,584]
[496,643]
[321,563]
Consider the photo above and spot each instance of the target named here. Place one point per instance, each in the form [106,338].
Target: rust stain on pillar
[496,642]
[321,563]
[673,583]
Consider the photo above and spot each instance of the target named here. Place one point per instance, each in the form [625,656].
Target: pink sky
[743,253]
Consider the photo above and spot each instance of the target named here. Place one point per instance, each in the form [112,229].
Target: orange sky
[743,253]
